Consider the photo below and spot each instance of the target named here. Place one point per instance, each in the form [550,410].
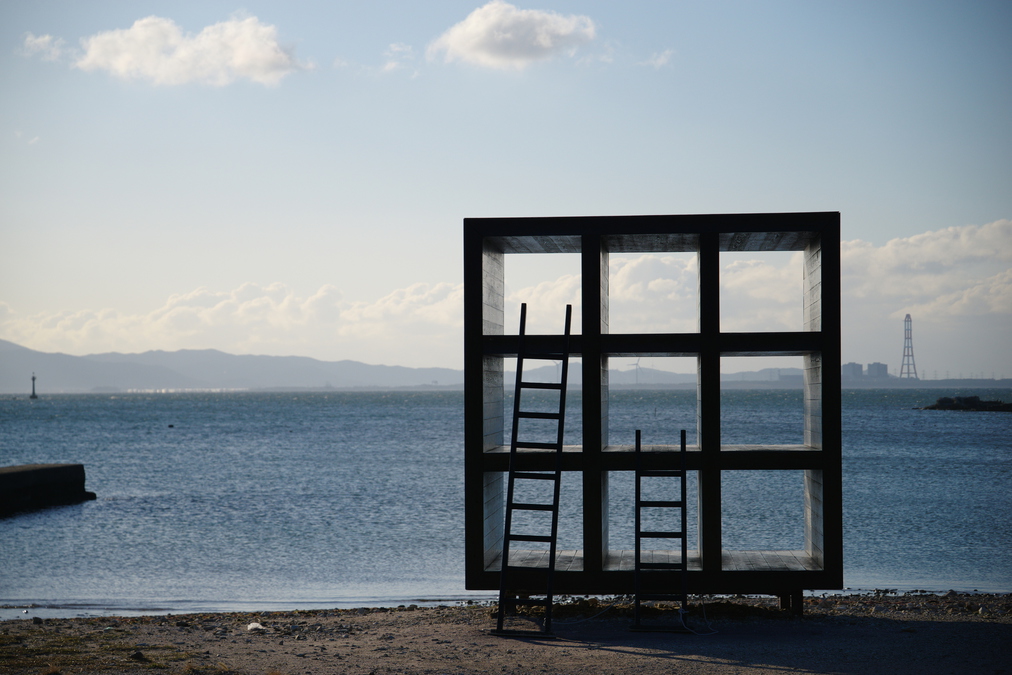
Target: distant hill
[201,369]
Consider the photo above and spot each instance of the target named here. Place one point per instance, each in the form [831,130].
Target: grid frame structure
[597,569]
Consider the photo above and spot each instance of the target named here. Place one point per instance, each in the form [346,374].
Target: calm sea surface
[284,500]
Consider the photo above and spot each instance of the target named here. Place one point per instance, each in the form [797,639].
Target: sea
[301,500]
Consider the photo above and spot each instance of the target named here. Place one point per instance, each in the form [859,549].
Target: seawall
[34,486]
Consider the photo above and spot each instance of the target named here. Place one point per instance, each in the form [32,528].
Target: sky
[291,178]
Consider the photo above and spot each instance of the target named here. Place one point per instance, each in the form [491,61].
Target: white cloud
[46,47]
[660,59]
[419,325]
[499,35]
[421,306]
[653,293]
[546,302]
[156,49]
[989,296]
[933,268]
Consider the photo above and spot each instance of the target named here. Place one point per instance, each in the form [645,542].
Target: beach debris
[255,626]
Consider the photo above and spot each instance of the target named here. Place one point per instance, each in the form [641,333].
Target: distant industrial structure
[908,369]
[878,370]
[855,371]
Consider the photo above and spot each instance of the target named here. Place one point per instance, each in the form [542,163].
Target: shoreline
[866,633]
[11,610]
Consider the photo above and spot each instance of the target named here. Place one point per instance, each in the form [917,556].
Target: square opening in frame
[547,282]
[761,291]
[570,532]
[762,401]
[653,293]
[622,511]
[543,401]
[762,510]
[656,395]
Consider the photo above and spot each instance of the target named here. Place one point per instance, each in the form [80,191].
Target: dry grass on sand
[877,633]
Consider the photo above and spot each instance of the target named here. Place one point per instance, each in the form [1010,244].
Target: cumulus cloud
[499,35]
[653,294]
[156,49]
[544,301]
[990,296]
[419,307]
[246,319]
[941,269]
[46,47]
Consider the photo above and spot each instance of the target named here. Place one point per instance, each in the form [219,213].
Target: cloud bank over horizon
[956,281]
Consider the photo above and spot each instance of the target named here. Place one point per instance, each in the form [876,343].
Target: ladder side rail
[504,600]
[637,555]
[685,525]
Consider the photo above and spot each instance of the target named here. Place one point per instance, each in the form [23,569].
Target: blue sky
[290,178]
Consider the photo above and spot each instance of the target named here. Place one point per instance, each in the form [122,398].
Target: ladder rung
[662,566]
[533,475]
[533,445]
[539,415]
[534,507]
[661,473]
[543,538]
[660,535]
[660,504]
[541,385]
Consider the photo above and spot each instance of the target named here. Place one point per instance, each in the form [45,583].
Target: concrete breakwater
[34,486]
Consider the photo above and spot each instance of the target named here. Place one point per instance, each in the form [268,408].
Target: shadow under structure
[596,568]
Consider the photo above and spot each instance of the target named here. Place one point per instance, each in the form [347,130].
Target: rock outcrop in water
[970,403]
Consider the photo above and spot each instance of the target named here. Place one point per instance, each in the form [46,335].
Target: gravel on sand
[872,633]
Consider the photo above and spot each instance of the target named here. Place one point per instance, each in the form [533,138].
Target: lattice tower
[908,369]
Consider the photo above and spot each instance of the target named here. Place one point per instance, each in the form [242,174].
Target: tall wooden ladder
[513,592]
[644,568]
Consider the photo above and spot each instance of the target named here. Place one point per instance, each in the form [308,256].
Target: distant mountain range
[210,369]
[190,369]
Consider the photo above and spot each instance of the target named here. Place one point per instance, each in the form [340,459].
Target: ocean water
[282,500]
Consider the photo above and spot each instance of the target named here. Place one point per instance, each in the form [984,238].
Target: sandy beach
[874,633]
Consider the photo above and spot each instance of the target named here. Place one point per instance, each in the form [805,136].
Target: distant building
[852,371]
[878,370]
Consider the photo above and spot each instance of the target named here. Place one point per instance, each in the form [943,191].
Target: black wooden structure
[596,568]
